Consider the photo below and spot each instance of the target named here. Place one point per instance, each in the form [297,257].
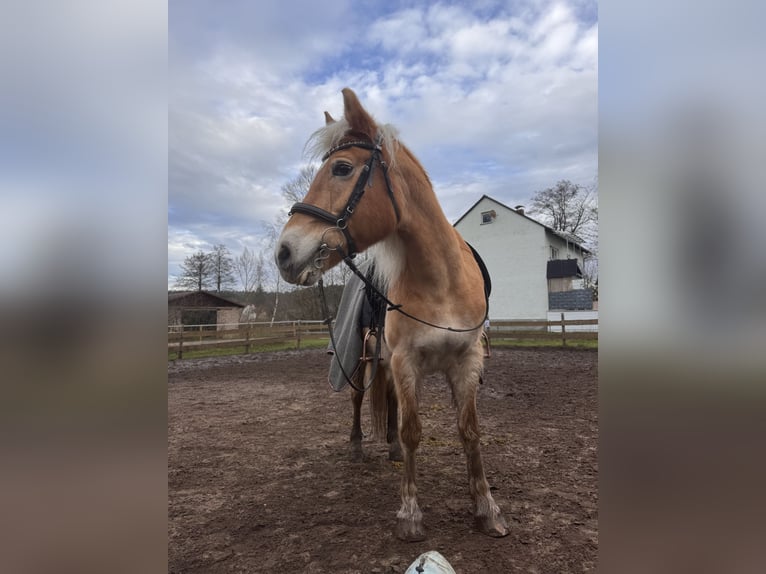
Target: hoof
[496,527]
[356,454]
[395,452]
[410,530]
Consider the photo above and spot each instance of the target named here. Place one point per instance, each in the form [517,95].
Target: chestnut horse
[371,193]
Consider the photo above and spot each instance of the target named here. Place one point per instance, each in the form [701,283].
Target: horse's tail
[379,402]
[379,390]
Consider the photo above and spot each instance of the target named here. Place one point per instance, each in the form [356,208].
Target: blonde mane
[329,136]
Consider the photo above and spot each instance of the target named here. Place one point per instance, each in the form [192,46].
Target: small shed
[203,308]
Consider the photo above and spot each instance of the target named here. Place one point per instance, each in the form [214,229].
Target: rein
[340,223]
[398,306]
[378,344]
[391,306]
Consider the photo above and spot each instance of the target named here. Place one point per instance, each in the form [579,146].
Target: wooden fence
[245,336]
[561,330]
[248,336]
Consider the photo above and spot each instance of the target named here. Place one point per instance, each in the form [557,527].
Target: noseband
[340,221]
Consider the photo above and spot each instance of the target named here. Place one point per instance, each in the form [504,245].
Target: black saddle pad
[484,270]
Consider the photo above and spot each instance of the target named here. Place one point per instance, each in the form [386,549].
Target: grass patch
[226,352]
[322,343]
[571,343]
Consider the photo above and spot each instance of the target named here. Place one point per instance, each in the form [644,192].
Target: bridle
[340,221]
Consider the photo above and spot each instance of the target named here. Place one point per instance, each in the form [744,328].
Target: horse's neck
[430,246]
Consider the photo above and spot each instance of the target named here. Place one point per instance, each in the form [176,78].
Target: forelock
[329,136]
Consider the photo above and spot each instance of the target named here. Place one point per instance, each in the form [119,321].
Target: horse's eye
[342,169]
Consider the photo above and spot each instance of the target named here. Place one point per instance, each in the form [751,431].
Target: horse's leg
[409,518]
[356,426]
[464,380]
[392,431]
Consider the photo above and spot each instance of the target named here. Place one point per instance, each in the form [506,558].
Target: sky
[495,98]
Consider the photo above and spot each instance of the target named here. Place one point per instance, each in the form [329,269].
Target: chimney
[519,209]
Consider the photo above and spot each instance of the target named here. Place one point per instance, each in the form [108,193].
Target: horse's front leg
[409,525]
[464,379]
[392,424]
[356,427]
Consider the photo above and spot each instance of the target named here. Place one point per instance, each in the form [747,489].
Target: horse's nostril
[283,256]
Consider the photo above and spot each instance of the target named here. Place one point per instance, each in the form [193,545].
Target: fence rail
[185,338]
[562,330]
[247,336]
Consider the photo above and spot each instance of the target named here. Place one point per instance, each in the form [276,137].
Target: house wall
[566,250]
[516,251]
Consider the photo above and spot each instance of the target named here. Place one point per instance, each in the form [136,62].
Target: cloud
[491,99]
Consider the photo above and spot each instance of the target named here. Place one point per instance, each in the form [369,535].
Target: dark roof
[568,237]
[200,299]
[558,268]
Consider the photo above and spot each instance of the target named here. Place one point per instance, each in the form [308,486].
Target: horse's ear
[328,119]
[357,117]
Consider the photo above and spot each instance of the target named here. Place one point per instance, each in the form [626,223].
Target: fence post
[247,338]
[563,331]
[181,344]
[297,335]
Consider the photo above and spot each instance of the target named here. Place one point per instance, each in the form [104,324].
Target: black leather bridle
[340,220]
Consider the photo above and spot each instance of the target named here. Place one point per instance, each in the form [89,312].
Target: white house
[533,268]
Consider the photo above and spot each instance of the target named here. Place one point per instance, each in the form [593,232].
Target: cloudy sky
[496,98]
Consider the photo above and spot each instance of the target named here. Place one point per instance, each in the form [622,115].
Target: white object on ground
[430,562]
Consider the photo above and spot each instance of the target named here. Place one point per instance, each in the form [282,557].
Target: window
[554,252]
[488,217]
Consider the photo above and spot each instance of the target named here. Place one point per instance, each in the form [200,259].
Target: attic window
[488,217]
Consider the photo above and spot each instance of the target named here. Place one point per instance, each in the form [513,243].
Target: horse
[372,194]
[249,314]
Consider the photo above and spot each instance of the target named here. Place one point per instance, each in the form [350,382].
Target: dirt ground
[260,480]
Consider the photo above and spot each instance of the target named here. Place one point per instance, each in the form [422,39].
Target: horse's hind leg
[356,426]
[392,430]
[409,525]
[464,380]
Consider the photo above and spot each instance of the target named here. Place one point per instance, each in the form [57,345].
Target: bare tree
[196,272]
[568,207]
[293,191]
[249,268]
[222,267]
[573,209]
[262,263]
[297,188]
[590,272]
[272,233]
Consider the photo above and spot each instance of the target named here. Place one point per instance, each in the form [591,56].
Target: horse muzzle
[296,264]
